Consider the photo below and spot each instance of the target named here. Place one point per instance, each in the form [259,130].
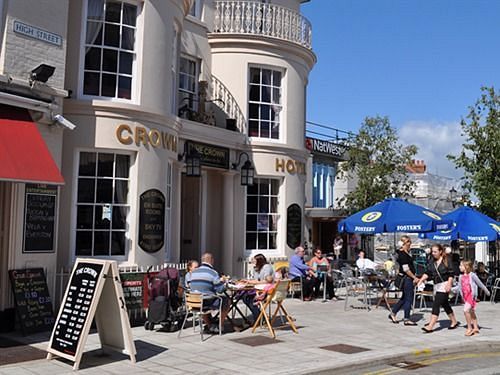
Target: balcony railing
[256,18]
[223,99]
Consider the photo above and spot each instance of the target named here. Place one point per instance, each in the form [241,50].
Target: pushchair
[164,300]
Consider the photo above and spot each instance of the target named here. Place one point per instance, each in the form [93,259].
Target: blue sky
[420,62]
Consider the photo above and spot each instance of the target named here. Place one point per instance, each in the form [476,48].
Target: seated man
[206,280]
[365,264]
[298,269]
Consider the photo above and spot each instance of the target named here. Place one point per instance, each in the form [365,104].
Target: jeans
[248,299]
[406,299]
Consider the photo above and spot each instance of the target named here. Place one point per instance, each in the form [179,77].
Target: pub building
[189,123]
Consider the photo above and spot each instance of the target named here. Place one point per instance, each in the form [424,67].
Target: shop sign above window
[322,147]
[211,156]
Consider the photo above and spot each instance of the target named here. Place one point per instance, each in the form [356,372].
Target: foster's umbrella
[469,225]
[394,215]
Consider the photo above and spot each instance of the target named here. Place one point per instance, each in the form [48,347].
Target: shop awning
[24,156]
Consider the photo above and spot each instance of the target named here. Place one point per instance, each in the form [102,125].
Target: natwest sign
[319,146]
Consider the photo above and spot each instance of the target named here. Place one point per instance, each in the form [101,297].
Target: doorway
[191,190]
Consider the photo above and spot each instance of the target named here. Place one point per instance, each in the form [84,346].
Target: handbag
[399,281]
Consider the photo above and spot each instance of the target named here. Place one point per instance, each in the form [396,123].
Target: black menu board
[293,225]
[32,300]
[75,307]
[152,220]
[39,218]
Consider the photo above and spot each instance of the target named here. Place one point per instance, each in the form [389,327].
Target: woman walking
[407,270]
[440,270]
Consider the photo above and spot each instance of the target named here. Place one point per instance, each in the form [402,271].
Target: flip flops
[427,330]
[454,326]
[393,319]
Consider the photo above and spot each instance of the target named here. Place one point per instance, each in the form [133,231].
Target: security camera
[64,122]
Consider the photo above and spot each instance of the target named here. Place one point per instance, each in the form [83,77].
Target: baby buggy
[165,303]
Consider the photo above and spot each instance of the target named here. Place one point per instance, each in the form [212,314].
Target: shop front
[29,200]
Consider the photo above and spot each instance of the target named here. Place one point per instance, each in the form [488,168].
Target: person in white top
[364,263]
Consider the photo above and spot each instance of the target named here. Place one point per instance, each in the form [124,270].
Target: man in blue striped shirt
[206,280]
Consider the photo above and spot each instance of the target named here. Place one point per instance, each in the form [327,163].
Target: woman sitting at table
[263,273]
[321,267]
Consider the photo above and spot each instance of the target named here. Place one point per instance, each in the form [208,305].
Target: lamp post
[452,197]
[247,170]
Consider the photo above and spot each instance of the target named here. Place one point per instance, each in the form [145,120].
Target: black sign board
[211,156]
[32,300]
[133,290]
[293,225]
[152,220]
[39,218]
[75,308]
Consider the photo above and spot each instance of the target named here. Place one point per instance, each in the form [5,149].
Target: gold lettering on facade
[127,139]
[140,135]
[290,166]
[280,164]
[155,137]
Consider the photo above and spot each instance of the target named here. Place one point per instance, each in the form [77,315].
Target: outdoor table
[235,294]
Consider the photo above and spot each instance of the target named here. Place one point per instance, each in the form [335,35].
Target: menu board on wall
[39,218]
[32,300]
[94,291]
[293,225]
[151,220]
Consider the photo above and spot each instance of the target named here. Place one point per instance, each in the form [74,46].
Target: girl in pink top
[468,286]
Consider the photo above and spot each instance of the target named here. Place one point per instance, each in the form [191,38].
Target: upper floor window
[188,82]
[109,48]
[264,104]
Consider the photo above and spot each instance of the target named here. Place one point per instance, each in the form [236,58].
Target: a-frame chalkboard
[94,291]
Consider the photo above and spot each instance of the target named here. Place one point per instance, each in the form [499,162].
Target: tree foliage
[378,161]
[480,154]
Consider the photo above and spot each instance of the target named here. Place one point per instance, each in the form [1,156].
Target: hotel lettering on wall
[151,220]
[290,166]
[210,156]
[139,135]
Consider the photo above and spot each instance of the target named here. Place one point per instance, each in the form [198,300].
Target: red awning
[24,156]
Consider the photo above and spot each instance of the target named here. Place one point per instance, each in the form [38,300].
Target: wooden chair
[195,308]
[277,297]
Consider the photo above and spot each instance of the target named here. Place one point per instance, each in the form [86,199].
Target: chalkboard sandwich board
[94,291]
[32,300]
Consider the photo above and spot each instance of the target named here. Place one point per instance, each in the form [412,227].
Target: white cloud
[434,140]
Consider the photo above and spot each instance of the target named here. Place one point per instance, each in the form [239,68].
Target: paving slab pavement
[321,325]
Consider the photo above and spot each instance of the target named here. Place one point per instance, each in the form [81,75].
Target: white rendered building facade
[159,85]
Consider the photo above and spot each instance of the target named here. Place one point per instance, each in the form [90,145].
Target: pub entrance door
[191,210]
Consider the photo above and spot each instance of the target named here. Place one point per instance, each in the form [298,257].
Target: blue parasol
[394,215]
[470,225]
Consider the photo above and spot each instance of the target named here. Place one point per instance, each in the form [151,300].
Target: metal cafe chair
[195,308]
[494,289]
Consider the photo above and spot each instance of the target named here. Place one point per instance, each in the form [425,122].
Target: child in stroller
[164,300]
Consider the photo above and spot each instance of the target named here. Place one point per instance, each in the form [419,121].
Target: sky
[419,62]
